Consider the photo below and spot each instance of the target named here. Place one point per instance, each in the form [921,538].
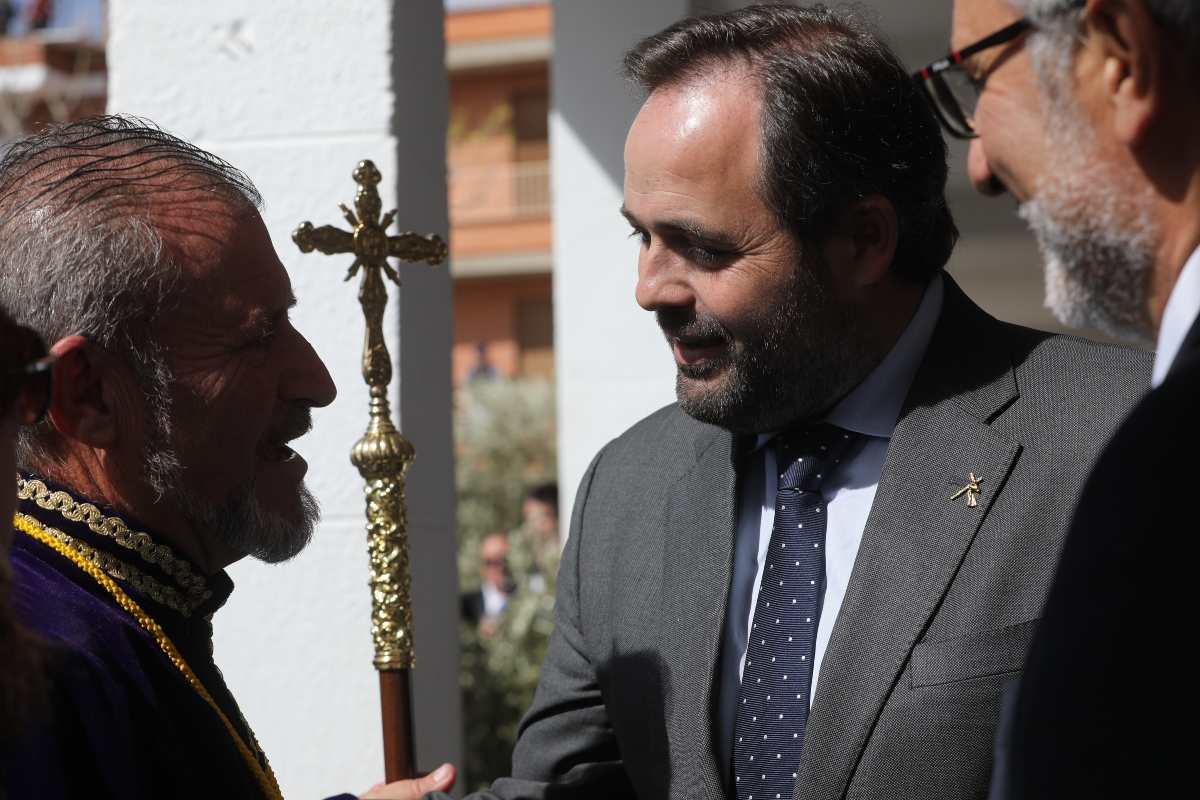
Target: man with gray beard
[1088,112]
[812,576]
[178,383]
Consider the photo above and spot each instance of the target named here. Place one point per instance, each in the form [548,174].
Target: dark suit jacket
[470,606]
[942,602]
[1108,683]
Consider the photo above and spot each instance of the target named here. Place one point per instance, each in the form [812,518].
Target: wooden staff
[383,454]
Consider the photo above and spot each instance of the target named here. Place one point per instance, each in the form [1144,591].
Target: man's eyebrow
[261,321]
[687,227]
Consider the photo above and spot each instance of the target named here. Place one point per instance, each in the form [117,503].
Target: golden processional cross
[383,454]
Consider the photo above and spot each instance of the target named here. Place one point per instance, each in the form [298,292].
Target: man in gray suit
[813,575]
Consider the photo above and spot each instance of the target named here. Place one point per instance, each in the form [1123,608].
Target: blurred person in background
[539,511]
[7,14]
[484,606]
[539,547]
[1087,113]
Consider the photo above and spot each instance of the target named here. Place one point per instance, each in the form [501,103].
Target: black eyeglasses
[953,90]
[25,367]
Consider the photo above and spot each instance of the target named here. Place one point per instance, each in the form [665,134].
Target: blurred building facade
[52,65]
[497,55]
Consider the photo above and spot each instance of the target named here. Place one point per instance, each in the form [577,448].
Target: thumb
[440,780]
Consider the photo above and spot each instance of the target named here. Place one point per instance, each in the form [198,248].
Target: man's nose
[662,280]
[310,380]
[979,170]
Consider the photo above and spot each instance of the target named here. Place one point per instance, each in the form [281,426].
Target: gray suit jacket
[942,601]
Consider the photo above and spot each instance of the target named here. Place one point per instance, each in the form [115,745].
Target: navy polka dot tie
[773,701]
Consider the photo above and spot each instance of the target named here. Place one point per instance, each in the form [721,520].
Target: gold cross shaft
[971,490]
[383,454]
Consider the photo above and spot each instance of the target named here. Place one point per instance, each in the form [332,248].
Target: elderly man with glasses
[1088,113]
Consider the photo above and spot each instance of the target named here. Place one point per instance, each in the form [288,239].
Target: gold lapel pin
[971,490]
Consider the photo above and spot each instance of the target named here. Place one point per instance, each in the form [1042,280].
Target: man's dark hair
[842,119]
[546,494]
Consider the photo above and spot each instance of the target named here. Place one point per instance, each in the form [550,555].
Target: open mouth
[273,447]
[690,350]
[277,452]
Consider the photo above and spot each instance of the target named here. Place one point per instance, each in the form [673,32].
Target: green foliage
[506,444]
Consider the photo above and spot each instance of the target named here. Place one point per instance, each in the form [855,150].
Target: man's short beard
[239,522]
[803,357]
[242,525]
[1094,225]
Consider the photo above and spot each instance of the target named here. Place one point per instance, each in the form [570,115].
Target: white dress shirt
[494,600]
[871,409]
[1178,317]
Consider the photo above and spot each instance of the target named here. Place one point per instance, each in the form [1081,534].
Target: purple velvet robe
[124,723]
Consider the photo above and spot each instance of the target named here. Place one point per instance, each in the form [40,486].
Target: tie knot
[806,456]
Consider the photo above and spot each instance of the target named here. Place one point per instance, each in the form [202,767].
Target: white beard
[1095,227]
[1097,270]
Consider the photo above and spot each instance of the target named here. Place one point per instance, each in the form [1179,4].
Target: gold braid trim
[35,530]
[194,586]
[115,567]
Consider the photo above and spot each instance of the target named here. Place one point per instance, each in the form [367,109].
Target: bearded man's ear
[1135,67]
[873,231]
[82,393]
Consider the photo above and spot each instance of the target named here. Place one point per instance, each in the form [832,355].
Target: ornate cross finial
[369,241]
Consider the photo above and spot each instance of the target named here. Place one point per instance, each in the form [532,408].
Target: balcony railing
[505,192]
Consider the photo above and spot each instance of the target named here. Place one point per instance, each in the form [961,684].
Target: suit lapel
[915,537]
[698,552]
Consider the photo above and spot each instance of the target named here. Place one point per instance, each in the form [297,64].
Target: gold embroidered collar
[256,759]
[190,590]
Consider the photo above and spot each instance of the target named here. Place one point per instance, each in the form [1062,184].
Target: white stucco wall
[295,92]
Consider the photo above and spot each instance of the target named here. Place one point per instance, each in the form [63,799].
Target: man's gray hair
[1060,18]
[81,246]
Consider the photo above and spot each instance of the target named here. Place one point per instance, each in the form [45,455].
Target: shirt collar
[1178,318]
[873,406]
[166,584]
